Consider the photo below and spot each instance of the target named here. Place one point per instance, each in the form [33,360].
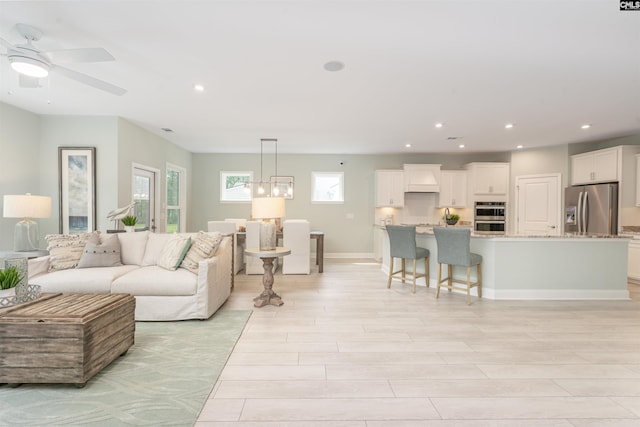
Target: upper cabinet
[389,188]
[595,166]
[488,179]
[453,189]
[421,178]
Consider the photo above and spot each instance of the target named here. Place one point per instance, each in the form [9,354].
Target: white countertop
[427,230]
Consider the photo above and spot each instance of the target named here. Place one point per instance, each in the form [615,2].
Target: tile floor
[346,351]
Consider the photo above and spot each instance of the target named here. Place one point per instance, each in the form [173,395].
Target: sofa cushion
[65,250]
[174,252]
[203,246]
[103,251]
[132,246]
[155,243]
[81,279]
[154,280]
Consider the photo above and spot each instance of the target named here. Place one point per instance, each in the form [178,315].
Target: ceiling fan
[32,64]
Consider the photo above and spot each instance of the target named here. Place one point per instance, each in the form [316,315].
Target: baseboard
[556,294]
[343,255]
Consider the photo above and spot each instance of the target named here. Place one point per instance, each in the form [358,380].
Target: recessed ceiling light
[334,66]
[585,126]
[439,125]
[407,145]
[508,126]
[520,146]
[461,146]
[198,88]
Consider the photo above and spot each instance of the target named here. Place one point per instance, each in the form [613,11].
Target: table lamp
[27,207]
[267,209]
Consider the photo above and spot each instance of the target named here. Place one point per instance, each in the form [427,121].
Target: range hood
[421,178]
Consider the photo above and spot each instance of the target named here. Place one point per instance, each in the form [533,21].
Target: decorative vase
[129,228]
[267,235]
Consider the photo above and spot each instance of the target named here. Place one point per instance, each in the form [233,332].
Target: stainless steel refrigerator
[591,209]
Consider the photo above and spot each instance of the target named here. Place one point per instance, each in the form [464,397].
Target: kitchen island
[539,267]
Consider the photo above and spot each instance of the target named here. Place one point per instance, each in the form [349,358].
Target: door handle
[551,226]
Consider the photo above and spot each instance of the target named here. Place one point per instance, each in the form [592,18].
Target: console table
[267,296]
[318,236]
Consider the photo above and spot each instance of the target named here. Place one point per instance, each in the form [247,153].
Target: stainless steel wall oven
[490,217]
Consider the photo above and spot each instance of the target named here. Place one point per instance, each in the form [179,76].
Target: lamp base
[25,236]
[268,237]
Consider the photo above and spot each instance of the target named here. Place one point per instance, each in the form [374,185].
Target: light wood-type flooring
[344,350]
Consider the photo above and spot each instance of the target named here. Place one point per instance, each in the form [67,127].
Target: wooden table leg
[320,253]
[267,296]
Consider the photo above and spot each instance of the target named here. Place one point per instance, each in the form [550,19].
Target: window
[145,183]
[233,188]
[176,199]
[327,187]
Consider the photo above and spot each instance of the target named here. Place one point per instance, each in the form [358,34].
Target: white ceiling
[547,66]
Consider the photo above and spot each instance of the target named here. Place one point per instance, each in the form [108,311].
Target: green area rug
[164,379]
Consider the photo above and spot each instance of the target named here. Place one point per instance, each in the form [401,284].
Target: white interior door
[144,196]
[538,205]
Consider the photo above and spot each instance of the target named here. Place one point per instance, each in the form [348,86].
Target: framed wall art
[77,188]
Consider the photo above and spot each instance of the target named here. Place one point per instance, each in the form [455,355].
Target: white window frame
[315,176]
[224,197]
[182,196]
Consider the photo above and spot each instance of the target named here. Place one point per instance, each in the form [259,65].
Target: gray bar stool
[454,248]
[402,244]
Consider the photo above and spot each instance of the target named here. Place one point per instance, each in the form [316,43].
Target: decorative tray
[33,292]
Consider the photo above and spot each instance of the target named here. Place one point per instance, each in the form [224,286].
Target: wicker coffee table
[64,338]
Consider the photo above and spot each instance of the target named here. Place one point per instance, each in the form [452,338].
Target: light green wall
[138,146]
[348,226]
[31,143]
[79,131]
[19,158]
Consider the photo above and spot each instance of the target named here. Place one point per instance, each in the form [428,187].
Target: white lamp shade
[26,206]
[267,207]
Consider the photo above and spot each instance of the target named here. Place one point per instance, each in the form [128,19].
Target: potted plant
[452,219]
[129,222]
[9,278]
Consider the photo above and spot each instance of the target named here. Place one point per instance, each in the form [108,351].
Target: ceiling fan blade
[88,80]
[28,81]
[6,44]
[94,54]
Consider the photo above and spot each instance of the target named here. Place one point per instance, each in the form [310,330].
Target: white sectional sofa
[161,294]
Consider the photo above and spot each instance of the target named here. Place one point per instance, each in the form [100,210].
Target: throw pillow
[204,246]
[65,250]
[101,254]
[174,252]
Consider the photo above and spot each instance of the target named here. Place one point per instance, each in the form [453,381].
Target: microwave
[490,218]
[489,211]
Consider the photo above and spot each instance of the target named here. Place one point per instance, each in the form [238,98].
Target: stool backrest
[454,245]
[402,241]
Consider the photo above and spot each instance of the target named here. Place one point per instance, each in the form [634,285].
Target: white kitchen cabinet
[634,260]
[421,178]
[389,188]
[453,189]
[488,178]
[595,166]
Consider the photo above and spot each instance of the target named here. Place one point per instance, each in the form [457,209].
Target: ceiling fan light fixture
[28,66]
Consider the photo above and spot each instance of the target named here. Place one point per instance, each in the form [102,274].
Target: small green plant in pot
[129,222]
[452,219]
[9,278]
